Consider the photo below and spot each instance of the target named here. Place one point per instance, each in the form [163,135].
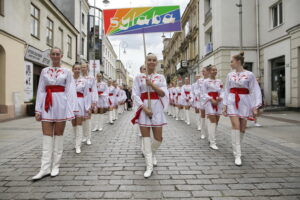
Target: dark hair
[240,57]
[76,63]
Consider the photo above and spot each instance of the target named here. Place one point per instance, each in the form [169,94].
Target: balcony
[208,48]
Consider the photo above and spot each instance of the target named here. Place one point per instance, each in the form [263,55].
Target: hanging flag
[141,20]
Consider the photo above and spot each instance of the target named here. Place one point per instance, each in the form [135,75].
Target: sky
[134,56]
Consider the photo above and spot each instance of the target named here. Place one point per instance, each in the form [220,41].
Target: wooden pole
[145,54]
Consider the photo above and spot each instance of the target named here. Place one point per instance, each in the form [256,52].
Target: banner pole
[145,54]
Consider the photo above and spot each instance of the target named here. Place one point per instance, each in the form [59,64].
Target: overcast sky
[134,52]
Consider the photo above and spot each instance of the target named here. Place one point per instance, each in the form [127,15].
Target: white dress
[171,95]
[238,104]
[63,103]
[83,99]
[196,93]
[178,98]
[200,83]
[103,92]
[158,105]
[186,95]
[111,96]
[93,95]
[211,90]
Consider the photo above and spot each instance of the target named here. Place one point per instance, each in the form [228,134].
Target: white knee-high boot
[155,145]
[203,128]
[182,114]
[116,113]
[148,156]
[46,159]
[96,124]
[57,154]
[176,113]
[187,116]
[236,146]
[88,131]
[78,139]
[211,129]
[110,115]
[100,122]
[198,122]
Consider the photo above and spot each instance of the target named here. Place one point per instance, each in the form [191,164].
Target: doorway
[278,81]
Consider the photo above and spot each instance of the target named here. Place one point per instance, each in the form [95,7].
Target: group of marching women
[65,95]
[239,99]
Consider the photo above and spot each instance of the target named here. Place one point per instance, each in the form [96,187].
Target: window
[248,66]
[276,12]
[2,7]
[187,28]
[69,43]
[61,39]
[49,33]
[82,18]
[82,46]
[35,21]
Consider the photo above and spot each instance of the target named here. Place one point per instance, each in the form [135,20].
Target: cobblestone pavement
[112,167]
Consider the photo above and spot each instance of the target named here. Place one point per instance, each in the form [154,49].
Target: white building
[109,58]
[271,43]
[28,30]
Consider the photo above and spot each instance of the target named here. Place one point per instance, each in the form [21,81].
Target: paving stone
[177,194]
[207,193]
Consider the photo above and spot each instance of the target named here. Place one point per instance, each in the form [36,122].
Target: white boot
[155,145]
[46,158]
[84,132]
[96,119]
[181,115]
[100,122]
[211,129]
[116,114]
[57,154]
[110,115]
[148,157]
[88,131]
[74,133]
[176,113]
[203,133]
[187,116]
[173,111]
[198,122]
[78,139]
[236,146]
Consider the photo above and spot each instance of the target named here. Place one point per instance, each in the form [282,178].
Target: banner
[141,20]
[28,81]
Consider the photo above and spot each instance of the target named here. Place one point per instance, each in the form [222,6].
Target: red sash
[100,93]
[90,89]
[80,95]
[111,94]
[153,95]
[49,89]
[236,92]
[214,95]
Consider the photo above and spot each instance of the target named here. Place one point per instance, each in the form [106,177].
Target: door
[278,81]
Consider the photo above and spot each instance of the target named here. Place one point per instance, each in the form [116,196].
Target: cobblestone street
[112,167]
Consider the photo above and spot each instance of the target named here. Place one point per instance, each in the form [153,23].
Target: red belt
[100,93]
[178,94]
[111,94]
[236,92]
[214,95]
[174,93]
[187,93]
[153,95]
[90,89]
[49,89]
[80,95]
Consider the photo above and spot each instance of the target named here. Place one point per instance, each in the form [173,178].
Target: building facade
[28,30]
[121,73]
[109,59]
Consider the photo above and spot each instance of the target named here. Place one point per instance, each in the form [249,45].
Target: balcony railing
[208,48]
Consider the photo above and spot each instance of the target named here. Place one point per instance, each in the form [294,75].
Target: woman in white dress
[102,104]
[196,101]
[200,82]
[55,104]
[116,100]
[187,99]
[242,98]
[111,101]
[150,114]
[179,101]
[83,105]
[212,95]
[93,98]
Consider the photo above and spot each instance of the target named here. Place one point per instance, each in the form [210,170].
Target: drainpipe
[257,39]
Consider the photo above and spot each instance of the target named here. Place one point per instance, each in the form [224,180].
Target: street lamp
[163,36]
[105,2]
[239,5]
[123,45]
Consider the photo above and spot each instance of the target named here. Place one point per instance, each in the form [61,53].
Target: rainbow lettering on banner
[141,20]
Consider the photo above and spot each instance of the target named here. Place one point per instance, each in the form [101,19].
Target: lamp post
[239,5]
[123,45]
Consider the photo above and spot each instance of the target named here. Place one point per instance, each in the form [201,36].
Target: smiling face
[213,71]
[55,55]
[99,77]
[151,62]
[204,72]
[187,81]
[76,69]
[84,68]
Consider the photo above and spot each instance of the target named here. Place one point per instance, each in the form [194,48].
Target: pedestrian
[55,104]
[116,100]
[200,83]
[111,100]
[102,104]
[83,105]
[150,113]
[173,99]
[196,101]
[242,98]
[212,95]
[93,99]
[187,99]
[254,120]
[179,100]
